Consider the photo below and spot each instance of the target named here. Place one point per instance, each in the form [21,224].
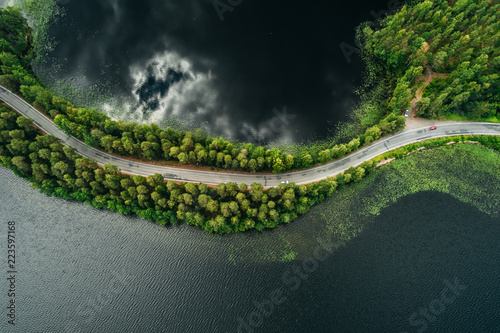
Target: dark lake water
[433,268]
[266,71]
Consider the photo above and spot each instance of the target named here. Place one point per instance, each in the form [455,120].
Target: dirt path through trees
[428,77]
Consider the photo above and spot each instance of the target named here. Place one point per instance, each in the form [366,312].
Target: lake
[83,270]
[278,72]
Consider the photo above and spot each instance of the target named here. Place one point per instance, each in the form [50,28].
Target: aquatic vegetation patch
[467,172]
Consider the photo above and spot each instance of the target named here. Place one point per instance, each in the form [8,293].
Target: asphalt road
[210,177]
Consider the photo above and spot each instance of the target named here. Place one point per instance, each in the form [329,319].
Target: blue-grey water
[83,270]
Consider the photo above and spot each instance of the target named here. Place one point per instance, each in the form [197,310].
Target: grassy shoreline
[348,211]
[457,170]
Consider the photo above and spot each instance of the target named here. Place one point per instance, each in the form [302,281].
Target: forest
[58,170]
[456,41]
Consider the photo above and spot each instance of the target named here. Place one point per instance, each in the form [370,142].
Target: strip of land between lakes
[128,166]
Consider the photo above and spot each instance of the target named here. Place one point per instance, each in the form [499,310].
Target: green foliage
[57,170]
[15,35]
[458,38]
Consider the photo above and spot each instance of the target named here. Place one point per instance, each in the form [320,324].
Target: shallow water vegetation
[467,172]
[41,14]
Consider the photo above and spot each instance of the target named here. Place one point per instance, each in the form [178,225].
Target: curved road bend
[210,177]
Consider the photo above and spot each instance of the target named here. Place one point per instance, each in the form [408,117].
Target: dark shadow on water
[394,271]
[264,55]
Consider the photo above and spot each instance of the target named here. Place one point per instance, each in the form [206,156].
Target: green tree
[307,161]
[324,156]
[20,163]
[278,166]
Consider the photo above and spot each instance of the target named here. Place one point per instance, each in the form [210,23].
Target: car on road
[407,113]
[284,182]
[433,127]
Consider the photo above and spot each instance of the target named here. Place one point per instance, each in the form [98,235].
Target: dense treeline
[153,143]
[458,38]
[15,35]
[58,170]
[488,141]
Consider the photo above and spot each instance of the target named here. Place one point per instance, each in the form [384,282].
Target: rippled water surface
[82,270]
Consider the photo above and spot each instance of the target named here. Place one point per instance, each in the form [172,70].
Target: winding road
[211,177]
